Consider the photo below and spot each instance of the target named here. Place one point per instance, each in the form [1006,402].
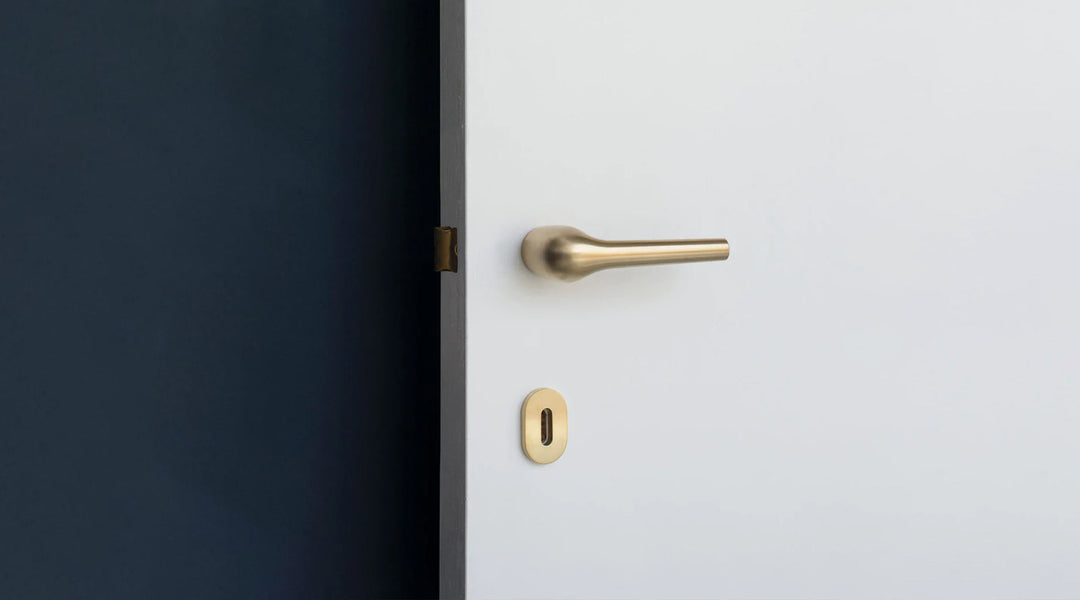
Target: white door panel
[877,395]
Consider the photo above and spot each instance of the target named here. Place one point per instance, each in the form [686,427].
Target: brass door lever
[565,253]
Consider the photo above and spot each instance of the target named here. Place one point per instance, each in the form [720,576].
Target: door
[877,394]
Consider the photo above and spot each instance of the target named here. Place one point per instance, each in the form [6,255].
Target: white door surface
[877,395]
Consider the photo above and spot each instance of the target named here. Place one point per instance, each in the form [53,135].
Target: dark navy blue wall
[218,320]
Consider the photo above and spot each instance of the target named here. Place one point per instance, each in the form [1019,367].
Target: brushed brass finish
[446,249]
[568,254]
[543,425]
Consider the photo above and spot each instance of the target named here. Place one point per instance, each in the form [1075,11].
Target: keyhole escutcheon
[543,425]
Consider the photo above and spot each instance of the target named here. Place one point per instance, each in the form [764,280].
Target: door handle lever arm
[568,254]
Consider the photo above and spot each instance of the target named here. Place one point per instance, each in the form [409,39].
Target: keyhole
[545,427]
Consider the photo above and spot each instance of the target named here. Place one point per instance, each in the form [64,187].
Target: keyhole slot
[545,427]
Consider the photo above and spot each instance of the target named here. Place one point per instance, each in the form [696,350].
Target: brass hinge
[446,249]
